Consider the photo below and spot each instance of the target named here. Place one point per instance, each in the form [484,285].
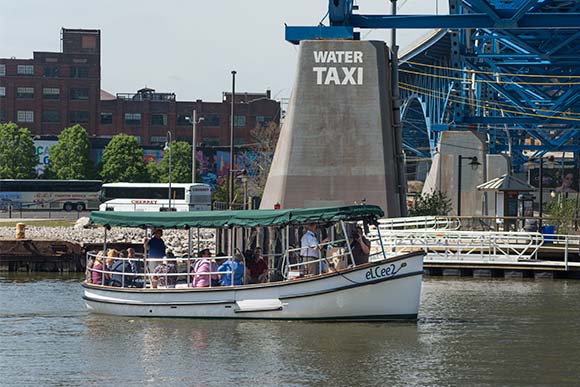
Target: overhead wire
[494,73]
[499,82]
[498,103]
[452,99]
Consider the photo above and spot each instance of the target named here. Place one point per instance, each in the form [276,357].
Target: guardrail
[148,277]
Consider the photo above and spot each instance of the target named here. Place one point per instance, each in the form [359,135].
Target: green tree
[17,153]
[432,204]
[562,213]
[123,160]
[180,163]
[70,157]
[259,159]
[152,171]
[221,193]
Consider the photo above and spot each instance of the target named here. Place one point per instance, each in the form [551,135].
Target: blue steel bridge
[506,68]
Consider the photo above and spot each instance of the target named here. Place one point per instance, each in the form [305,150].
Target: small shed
[508,198]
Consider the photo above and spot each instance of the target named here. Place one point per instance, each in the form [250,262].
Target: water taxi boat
[383,288]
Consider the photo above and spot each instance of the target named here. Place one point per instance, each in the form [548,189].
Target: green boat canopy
[248,218]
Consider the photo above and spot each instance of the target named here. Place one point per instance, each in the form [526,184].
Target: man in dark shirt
[155,248]
[360,246]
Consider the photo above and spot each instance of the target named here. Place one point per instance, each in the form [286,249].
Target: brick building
[148,115]
[54,90]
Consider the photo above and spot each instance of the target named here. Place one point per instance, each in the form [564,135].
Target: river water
[475,332]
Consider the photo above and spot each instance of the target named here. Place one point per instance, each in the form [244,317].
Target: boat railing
[298,267]
[146,274]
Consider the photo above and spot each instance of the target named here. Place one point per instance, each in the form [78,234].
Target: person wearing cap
[360,247]
[202,269]
[310,249]
[155,248]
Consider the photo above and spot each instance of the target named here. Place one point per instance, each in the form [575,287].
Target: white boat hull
[383,290]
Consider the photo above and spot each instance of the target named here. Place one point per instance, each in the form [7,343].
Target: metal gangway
[443,241]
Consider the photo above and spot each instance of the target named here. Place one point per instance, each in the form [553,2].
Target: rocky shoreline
[176,240]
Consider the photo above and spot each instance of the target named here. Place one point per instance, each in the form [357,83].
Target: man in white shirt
[310,250]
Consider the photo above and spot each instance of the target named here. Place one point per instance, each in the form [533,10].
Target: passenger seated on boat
[238,269]
[360,246]
[166,267]
[137,267]
[202,268]
[89,266]
[96,273]
[123,275]
[111,255]
[257,267]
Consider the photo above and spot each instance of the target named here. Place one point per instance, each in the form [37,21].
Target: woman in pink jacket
[201,267]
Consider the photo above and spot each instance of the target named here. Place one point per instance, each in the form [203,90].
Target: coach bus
[68,195]
[155,197]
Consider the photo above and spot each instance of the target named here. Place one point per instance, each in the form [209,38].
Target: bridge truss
[506,68]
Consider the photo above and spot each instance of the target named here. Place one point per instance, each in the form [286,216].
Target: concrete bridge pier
[337,145]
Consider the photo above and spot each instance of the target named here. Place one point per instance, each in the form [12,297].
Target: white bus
[38,194]
[155,197]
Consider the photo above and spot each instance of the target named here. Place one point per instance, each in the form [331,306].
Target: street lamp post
[194,121]
[168,149]
[474,163]
[243,176]
[232,166]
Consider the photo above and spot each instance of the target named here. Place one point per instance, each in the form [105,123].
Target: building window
[2,91]
[157,140]
[183,119]
[51,93]
[25,92]
[2,117]
[79,117]
[50,116]
[240,121]
[211,120]
[211,141]
[133,118]
[263,120]
[2,70]
[79,72]
[89,42]
[106,118]
[138,138]
[79,94]
[50,71]
[159,119]
[25,116]
[25,69]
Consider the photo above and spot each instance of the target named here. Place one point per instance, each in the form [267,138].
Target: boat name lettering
[143,201]
[381,272]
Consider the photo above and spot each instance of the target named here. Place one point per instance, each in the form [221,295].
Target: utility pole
[231,171]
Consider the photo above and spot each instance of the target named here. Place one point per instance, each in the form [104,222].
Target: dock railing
[469,242]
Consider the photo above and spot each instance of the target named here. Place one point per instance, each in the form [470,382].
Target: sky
[187,47]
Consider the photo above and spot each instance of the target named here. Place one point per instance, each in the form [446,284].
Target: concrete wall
[444,172]
[336,144]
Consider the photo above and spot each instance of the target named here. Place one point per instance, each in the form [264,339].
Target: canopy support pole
[232,251]
[381,241]
[347,242]
[189,247]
